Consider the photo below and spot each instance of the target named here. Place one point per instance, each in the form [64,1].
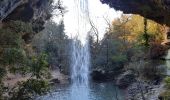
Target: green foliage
[15,59]
[143,39]
[54,42]
[40,66]
[21,27]
[27,90]
[14,55]
[1,91]
[119,58]
[147,69]
[2,74]
[9,38]
[167,82]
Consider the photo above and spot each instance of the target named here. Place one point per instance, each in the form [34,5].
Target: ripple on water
[96,91]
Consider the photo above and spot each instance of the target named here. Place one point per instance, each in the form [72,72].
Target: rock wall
[34,12]
[25,10]
[157,10]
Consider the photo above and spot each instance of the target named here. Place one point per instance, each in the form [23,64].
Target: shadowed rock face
[24,10]
[7,6]
[35,12]
[157,10]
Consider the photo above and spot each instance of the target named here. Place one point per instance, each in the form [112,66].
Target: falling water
[80,57]
[80,48]
[80,62]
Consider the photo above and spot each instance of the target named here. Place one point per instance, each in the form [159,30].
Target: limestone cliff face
[35,12]
[25,10]
[7,6]
[157,10]
[32,11]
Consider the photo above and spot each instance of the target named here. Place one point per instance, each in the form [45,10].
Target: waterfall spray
[80,56]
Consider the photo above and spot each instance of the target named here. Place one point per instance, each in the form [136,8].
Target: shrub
[27,90]
[14,55]
[156,51]
[2,74]
[21,27]
[39,66]
[167,82]
[9,38]
[119,58]
[146,69]
[1,91]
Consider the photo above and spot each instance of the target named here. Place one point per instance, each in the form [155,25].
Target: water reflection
[96,91]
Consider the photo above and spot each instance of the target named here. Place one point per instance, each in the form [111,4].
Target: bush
[147,70]
[2,74]
[39,66]
[1,91]
[14,55]
[9,38]
[167,82]
[21,27]
[119,58]
[27,90]
[157,50]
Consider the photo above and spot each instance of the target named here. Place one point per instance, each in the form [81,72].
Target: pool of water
[95,91]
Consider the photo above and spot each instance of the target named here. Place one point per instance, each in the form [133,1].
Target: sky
[97,12]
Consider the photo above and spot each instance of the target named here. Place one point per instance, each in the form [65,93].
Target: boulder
[54,81]
[101,75]
[98,75]
[125,79]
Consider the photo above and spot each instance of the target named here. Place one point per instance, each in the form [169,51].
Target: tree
[55,43]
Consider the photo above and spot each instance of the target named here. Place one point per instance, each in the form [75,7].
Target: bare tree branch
[94,29]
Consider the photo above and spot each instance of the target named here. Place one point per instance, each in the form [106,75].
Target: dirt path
[61,77]
[11,80]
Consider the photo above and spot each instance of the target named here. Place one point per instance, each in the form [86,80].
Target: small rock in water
[54,81]
[125,79]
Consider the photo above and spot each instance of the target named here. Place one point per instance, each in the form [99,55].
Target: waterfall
[80,62]
[80,56]
[80,47]
[77,27]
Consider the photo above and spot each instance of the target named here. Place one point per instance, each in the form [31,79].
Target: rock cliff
[157,10]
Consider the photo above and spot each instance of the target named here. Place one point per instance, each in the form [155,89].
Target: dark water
[95,91]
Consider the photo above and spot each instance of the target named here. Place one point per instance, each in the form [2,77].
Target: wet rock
[150,91]
[100,75]
[54,81]
[126,79]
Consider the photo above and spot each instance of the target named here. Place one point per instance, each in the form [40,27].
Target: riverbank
[12,79]
[138,91]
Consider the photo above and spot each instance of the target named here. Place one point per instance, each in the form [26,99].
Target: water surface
[96,91]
